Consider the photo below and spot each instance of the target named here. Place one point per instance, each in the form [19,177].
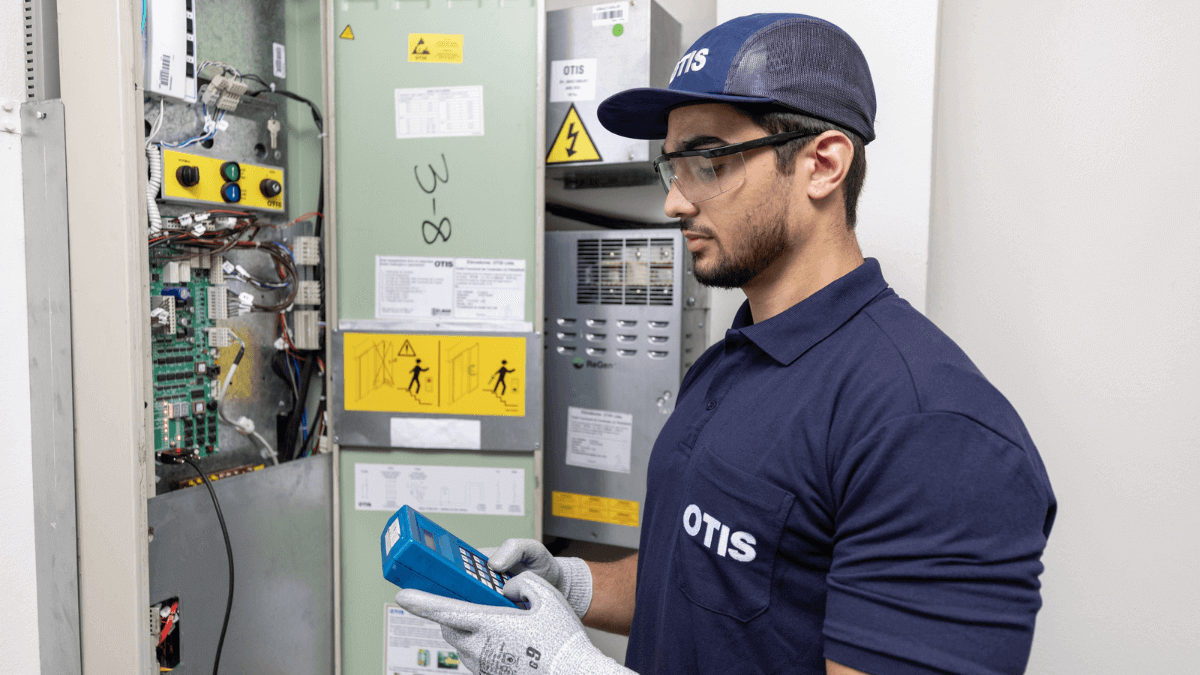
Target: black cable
[228,552]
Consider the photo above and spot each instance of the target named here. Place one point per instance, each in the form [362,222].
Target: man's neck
[793,278]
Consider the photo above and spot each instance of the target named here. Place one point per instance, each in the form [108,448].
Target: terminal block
[218,302]
[224,93]
[307,250]
[309,293]
[308,332]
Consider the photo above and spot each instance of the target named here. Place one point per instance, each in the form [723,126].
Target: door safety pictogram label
[445,374]
[572,142]
[347,34]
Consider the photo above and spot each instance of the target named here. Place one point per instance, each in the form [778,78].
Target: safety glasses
[701,175]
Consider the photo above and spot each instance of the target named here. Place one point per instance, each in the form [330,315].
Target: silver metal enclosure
[641,53]
[615,343]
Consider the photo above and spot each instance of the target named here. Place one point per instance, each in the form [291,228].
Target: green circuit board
[185,373]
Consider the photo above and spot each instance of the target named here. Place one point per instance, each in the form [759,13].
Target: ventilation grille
[625,272]
[31,18]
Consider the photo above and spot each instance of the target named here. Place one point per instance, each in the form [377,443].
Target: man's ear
[827,161]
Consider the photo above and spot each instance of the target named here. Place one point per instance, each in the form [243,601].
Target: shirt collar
[788,335]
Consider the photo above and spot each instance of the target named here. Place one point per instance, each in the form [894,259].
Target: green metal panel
[364,590]
[490,195]
[304,75]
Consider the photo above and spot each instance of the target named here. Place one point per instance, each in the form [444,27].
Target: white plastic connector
[218,270]
[323,445]
[245,302]
[308,334]
[308,293]
[244,426]
[307,250]
[225,92]
[219,337]
[218,302]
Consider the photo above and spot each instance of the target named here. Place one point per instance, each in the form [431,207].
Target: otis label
[737,545]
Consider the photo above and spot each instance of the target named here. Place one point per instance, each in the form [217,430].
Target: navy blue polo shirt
[840,482]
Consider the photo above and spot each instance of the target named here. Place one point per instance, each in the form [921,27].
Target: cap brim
[642,113]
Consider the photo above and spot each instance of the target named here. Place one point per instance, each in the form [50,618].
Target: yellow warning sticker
[443,374]
[595,509]
[435,48]
[347,34]
[572,142]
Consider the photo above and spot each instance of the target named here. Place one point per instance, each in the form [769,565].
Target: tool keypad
[477,567]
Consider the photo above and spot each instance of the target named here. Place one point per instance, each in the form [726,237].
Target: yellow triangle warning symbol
[347,34]
[407,349]
[572,142]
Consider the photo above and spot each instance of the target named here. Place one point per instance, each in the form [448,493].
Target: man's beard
[759,245]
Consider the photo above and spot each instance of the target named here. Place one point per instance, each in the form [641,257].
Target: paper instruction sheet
[415,645]
[599,439]
[434,112]
[440,489]
[425,288]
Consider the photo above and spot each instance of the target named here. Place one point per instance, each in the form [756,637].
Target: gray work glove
[571,576]
[546,639]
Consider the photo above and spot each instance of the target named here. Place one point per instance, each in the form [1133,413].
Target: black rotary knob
[270,188]
[187,175]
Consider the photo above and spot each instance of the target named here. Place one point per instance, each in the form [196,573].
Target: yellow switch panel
[208,176]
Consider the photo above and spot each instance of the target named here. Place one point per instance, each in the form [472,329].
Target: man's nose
[677,206]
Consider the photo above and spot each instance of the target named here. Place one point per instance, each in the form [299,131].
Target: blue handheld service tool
[417,553]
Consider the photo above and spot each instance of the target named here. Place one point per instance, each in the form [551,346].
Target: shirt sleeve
[939,532]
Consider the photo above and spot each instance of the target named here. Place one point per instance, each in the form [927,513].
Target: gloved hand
[571,576]
[546,639]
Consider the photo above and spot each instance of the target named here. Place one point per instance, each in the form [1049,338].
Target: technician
[839,489]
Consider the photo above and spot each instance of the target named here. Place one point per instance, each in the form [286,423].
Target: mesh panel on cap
[811,66]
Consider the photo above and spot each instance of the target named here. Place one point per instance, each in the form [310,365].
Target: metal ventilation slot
[612,272]
[662,272]
[637,271]
[587,272]
[30,46]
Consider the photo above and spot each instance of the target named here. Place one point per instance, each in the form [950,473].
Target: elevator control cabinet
[418,553]
[625,320]
[592,52]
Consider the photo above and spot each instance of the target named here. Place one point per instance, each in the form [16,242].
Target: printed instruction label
[435,48]
[599,439]
[490,491]
[436,112]
[413,287]
[415,645]
[595,509]
[609,13]
[573,80]
[440,374]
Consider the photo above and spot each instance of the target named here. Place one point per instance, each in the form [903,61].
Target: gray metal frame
[373,429]
[51,400]
[282,616]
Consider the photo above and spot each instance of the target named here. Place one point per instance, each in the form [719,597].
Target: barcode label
[278,60]
[164,75]
[609,14]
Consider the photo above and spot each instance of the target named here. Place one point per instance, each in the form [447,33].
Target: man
[839,489]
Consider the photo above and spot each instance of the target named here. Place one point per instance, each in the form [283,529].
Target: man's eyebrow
[698,142]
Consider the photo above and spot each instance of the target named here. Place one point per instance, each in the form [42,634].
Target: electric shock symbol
[572,142]
[574,136]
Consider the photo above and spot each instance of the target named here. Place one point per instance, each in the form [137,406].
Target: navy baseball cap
[797,61]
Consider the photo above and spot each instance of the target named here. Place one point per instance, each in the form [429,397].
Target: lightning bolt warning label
[572,142]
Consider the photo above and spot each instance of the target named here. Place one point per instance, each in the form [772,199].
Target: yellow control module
[208,180]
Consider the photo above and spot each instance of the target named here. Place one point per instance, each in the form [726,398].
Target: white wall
[899,39]
[18,590]
[1065,259]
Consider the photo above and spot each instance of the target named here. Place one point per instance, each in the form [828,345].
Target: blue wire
[303,408]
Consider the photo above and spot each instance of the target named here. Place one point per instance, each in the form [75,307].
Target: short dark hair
[778,120]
